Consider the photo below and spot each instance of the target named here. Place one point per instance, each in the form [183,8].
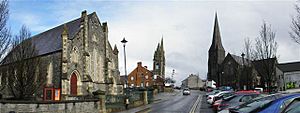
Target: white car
[186,91]
[211,98]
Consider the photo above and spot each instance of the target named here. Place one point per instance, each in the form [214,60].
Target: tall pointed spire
[162,43]
[216,54]
[216,42]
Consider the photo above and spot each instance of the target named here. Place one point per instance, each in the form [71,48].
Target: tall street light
[243,55]
[124,44]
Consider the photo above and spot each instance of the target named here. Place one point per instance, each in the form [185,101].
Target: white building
[291,73]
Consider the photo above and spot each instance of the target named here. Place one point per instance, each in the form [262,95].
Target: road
[179,103]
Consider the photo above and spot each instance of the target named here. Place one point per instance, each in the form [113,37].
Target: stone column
[102,108]
[145,97]
[101,95]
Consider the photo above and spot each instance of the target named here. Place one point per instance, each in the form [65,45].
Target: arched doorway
[73,84]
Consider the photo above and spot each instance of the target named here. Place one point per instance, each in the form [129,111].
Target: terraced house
[70,61]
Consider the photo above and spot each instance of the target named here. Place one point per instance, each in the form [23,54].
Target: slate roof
[50,40]
[289,67]
[260,65]
[239,60]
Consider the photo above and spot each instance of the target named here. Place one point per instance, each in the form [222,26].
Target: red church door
[73,84]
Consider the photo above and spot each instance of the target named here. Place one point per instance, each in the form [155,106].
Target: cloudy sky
[186,27]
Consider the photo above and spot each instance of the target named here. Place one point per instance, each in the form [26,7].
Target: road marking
[195,104]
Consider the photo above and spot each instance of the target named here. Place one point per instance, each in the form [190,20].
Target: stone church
[159,61]
[76,58]
[236,71]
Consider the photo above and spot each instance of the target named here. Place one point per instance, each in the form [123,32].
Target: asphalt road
[177,104]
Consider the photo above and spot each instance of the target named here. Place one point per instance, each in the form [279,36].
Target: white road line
[195,104]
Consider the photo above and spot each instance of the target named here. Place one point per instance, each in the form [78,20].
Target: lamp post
[124,44]
[243,55]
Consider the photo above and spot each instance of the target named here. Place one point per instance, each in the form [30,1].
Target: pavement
[160,97]
[296,90]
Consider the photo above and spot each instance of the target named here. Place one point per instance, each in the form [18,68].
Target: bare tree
[23,73]
[4,31]
[248,48]
[264,54]
[295,33]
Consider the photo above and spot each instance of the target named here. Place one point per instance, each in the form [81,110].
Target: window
[132,84]
[147,84]
[157,66]
[245,99]
[142,84]
[146,76]
[285,104]
[131,78]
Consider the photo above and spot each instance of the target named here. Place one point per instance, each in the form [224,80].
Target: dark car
[255,104]
[236,100]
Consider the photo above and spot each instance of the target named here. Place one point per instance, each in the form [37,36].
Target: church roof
[289,67]
[50,40]
[239,60]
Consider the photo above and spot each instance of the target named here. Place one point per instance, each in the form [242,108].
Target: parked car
[225,88]
[236,100]
[186,91]
[212,92]
[219,99]
[255,104]
[279,105]
[248,92]
[211,98]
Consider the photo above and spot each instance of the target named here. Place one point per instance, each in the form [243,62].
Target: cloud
[186,27]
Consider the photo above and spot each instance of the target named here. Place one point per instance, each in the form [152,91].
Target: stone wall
[78,106]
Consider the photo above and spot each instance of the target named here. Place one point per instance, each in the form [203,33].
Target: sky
[186,27]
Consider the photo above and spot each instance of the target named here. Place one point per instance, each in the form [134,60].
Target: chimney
[146,67]
[139,64]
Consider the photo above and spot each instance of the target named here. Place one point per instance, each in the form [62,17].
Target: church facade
[239,72]
[76,60]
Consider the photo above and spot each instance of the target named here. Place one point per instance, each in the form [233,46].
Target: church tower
[216,54]
[159,60]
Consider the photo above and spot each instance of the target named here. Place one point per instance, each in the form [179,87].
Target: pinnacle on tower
[216,43]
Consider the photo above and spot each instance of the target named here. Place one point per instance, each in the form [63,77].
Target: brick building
[140,77]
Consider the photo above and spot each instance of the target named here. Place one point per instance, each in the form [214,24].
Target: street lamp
[124,44]
[243,55]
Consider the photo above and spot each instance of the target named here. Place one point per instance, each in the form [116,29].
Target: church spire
[216,42]
[162,43]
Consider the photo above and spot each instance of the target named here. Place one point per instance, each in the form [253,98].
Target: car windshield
[294,107]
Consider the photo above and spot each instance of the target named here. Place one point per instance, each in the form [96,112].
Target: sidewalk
[297,90]
[157,98]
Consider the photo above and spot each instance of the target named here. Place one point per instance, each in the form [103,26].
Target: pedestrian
[126,103]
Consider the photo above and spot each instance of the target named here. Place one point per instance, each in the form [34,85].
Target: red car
[247,92]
